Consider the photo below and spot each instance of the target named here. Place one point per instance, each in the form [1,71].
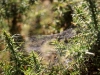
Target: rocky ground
[42,44]
[37,42]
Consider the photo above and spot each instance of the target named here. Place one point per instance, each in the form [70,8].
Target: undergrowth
[72,58]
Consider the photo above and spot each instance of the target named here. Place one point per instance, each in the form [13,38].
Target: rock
[39,42]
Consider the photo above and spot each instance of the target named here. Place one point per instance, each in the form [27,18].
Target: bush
[80,56]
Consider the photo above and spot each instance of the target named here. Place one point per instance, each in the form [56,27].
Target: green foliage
[72,58]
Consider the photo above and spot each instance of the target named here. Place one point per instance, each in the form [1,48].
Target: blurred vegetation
[81,56]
